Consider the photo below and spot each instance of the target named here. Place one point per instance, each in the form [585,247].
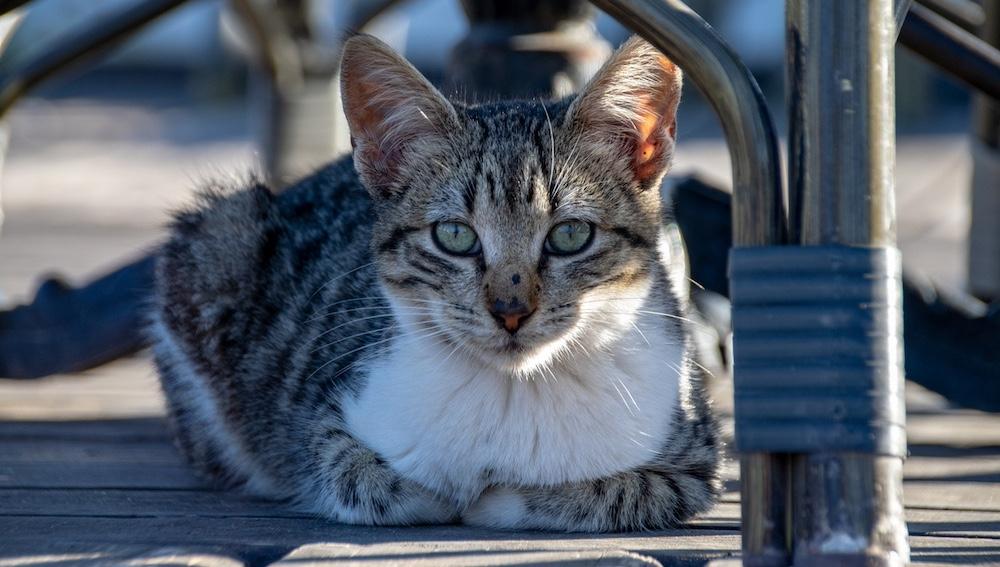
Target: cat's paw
[498,507]
[425,507]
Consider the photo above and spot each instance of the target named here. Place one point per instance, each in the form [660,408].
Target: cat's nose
[512,314]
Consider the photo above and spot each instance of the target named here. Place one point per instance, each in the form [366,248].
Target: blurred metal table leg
[847,506]
[984,232]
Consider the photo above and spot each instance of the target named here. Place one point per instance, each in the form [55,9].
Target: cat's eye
[456,238]
[570,237]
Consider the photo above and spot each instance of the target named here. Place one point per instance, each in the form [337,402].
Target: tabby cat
[476,319]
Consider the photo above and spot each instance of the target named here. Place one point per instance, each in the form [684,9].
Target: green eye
[456,238]
[569,237]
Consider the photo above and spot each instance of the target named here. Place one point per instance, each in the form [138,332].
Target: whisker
[352,321]
[386,308]
[641,334]
[384,304]
[629,392]
[335,279]
[552,143]
[354,350]
[622,396]
[347,338]
[383,351]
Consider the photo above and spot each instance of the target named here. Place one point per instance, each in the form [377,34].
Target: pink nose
[510,315]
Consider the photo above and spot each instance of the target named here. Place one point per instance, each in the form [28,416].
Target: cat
[476,319]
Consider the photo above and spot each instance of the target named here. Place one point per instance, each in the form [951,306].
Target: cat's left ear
[398,120]
[631,104]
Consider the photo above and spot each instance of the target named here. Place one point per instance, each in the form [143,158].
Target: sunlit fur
[319,346]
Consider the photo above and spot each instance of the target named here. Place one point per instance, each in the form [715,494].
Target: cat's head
[514,230]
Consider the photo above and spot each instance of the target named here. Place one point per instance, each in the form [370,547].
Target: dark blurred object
[523,49]
[984,231]
[968,14]
[950,339]
[9,5]
[297,85]
[952,49]
[66,329]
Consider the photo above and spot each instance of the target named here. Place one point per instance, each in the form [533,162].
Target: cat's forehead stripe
[512,155]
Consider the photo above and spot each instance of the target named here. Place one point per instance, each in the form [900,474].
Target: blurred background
[97,158]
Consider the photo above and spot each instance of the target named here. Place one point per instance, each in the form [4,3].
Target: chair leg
[984,232]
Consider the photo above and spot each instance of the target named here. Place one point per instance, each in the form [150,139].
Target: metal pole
[682,35]
[952,49]
[758,211]
[984,231]
[847,506]
[78,47]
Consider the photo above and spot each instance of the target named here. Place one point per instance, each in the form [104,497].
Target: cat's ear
[396,117]
[631,105]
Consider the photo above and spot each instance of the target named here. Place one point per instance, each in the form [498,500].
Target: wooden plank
[954,550]
[960,523]
[957,428]
[75,452]
[124,388]
[204,504]
[953,468]
[59,554]
[437,543]
[99,475]
[451,554]
[227,533]
[282,531]
[140,503]
[952,495]
[128,430]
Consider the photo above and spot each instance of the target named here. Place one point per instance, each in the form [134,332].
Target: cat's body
[325,347]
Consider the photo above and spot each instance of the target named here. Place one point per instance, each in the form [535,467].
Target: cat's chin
[520,356]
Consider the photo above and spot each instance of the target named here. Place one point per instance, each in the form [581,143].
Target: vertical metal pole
[984,231]
[764,509]
[846,507]
[758,212]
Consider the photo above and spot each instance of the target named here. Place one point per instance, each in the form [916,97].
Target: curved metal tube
[758,210]
[758,198]
[11,5]
[953,50]
[79,45]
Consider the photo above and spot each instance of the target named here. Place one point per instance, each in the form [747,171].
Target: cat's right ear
[397,118]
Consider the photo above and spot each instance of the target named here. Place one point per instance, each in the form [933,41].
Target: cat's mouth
[514,346]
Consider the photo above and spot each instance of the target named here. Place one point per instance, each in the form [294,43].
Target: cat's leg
[642,499]
[355,485]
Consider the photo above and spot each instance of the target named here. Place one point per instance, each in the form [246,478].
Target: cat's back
[255,251]
[241,277]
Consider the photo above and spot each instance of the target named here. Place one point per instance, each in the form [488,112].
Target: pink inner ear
[652,136]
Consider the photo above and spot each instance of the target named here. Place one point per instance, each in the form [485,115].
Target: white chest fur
[445,421]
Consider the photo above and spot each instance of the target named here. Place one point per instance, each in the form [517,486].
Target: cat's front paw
[424,507]
[498,507]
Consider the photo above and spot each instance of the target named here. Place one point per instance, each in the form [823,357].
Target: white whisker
[335,279]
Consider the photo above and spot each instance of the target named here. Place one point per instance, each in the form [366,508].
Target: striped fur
[318,346]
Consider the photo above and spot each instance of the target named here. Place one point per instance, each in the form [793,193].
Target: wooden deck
[88,475]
